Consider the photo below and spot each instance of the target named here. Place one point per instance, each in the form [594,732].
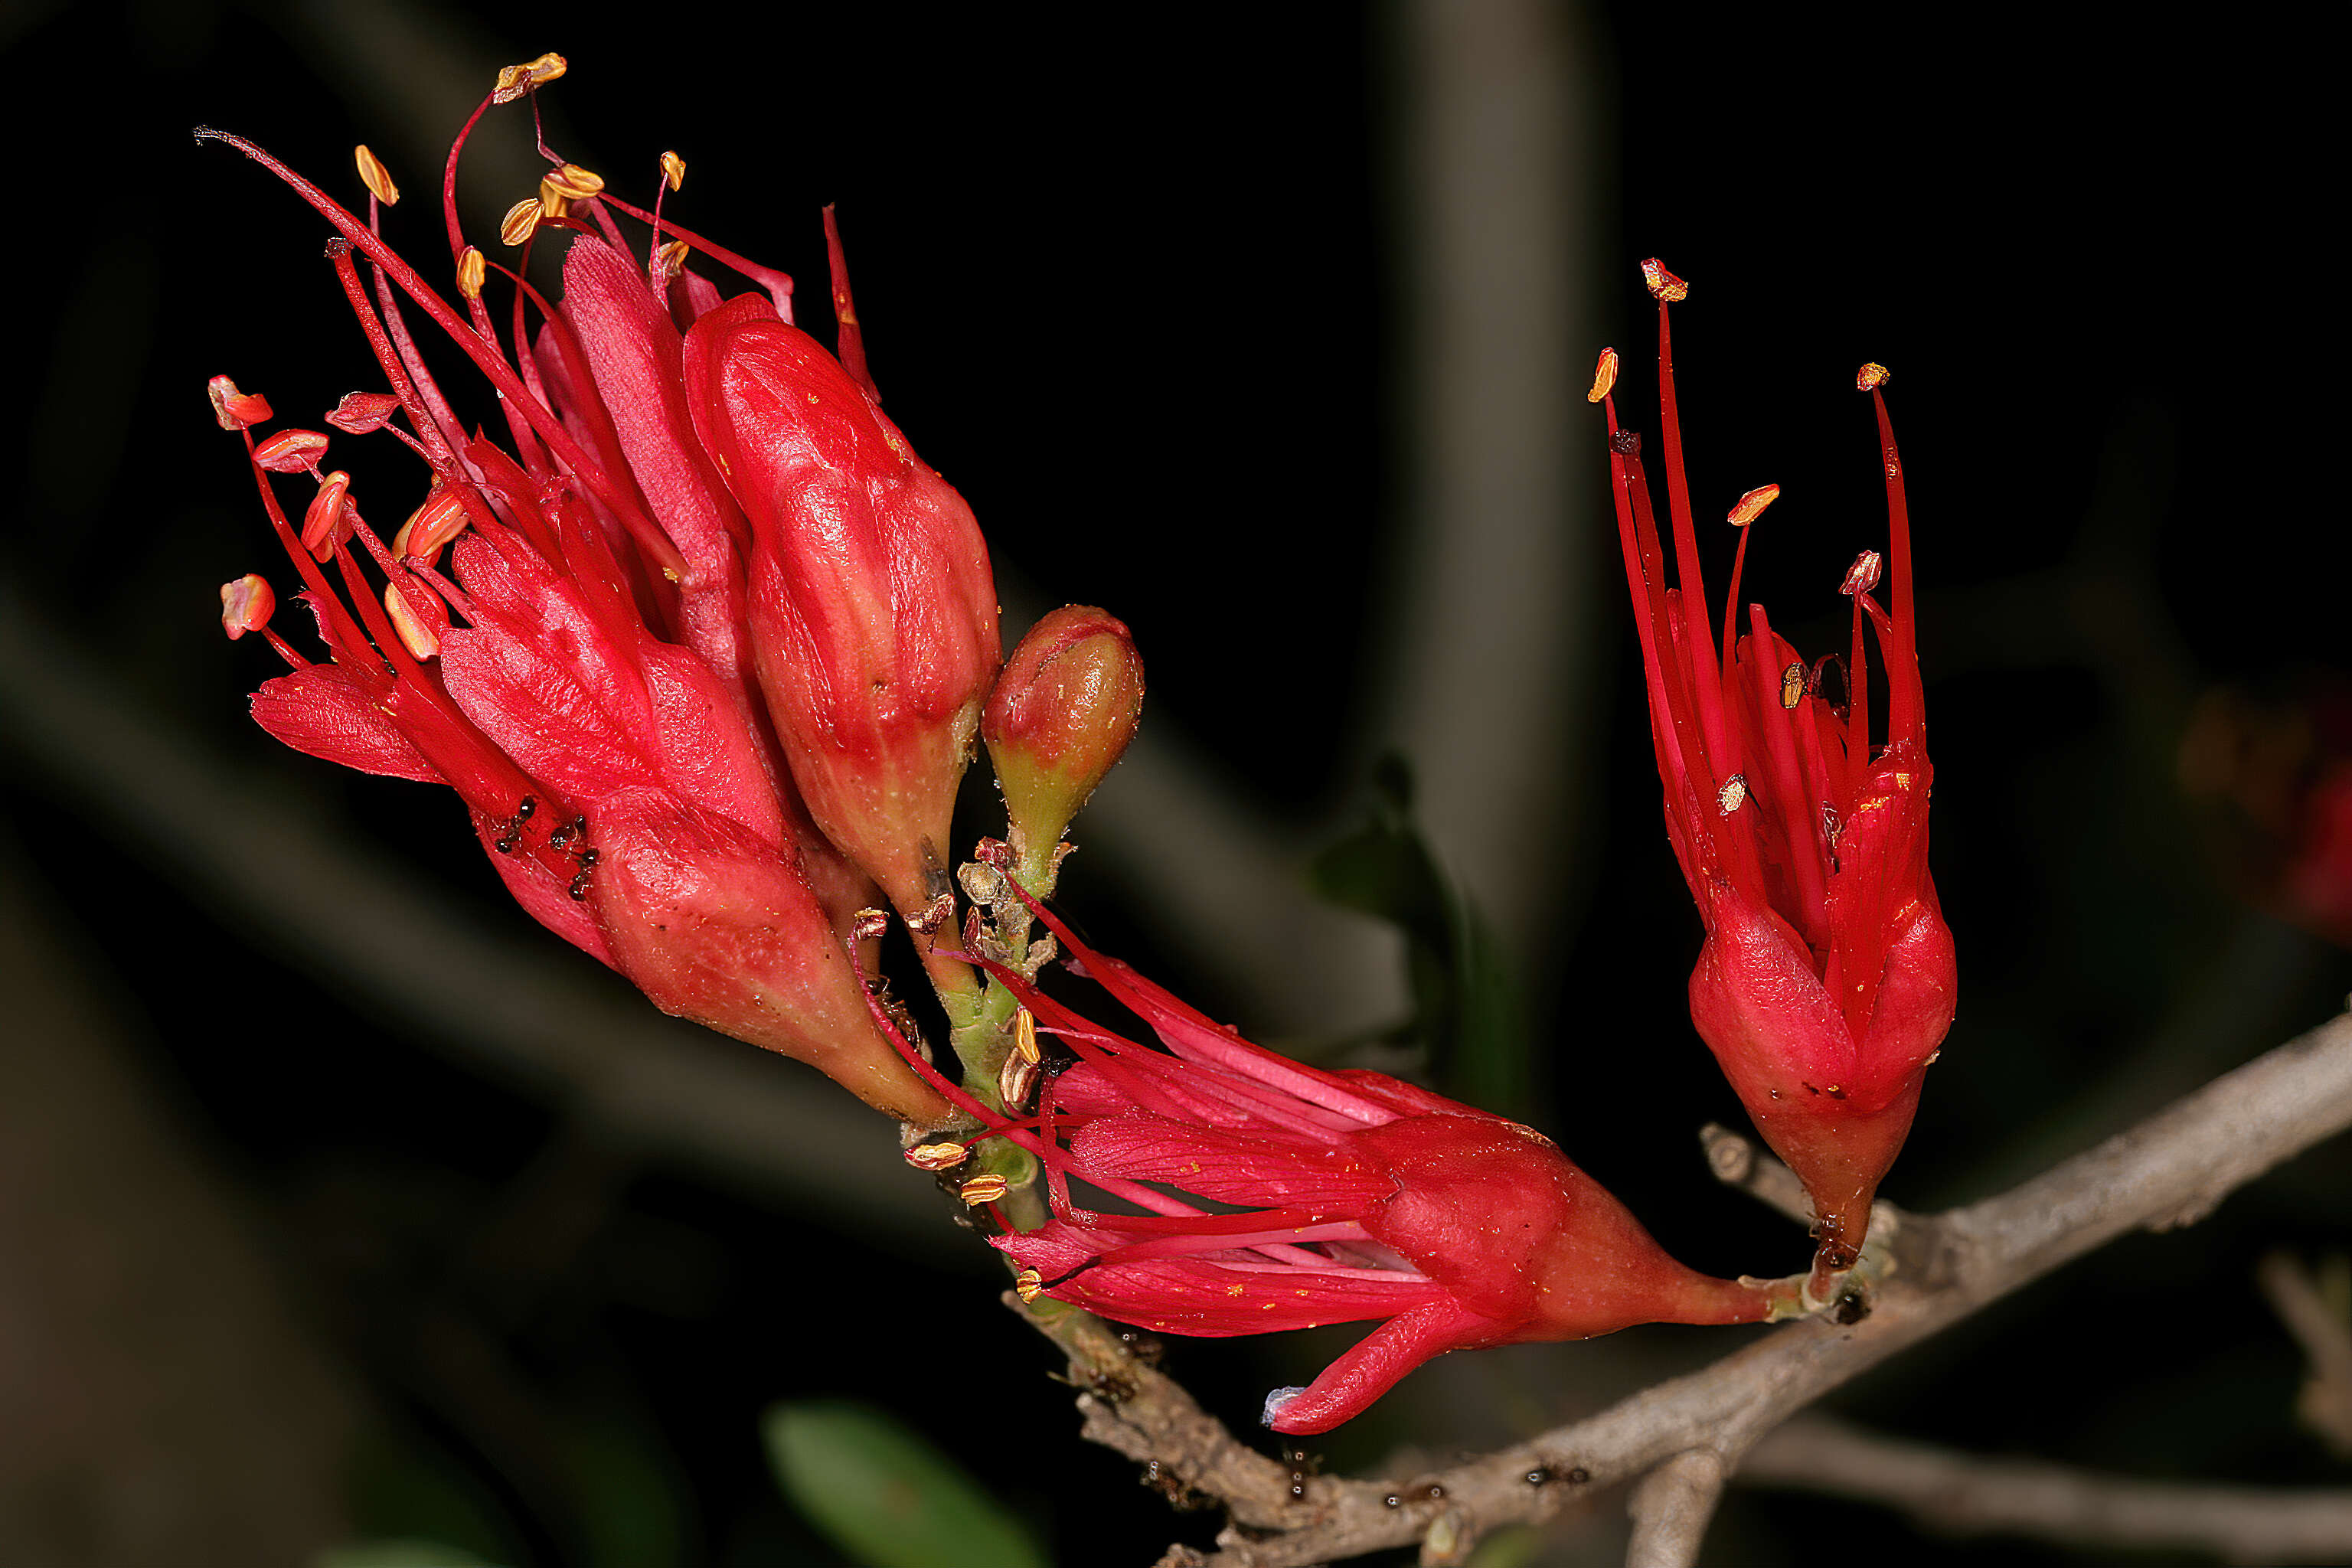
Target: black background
[1130,279]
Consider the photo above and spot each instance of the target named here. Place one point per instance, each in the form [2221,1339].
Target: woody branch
[2170,1170]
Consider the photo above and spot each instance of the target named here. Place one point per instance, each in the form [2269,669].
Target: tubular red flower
[583,677]
[1826,982]
[872,607]
[1360,1197]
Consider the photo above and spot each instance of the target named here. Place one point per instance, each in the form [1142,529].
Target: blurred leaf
[886,1496]
[408,1494]
[1515,1546]
[1466,1006]
[399,1555]
[628,1510]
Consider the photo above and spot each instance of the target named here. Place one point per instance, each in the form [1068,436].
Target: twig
[2326,1334]
[1671,1508]
[1738,1162]
[1964,1494]
[2173,1168]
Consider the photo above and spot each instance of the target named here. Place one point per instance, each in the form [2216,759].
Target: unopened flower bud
[872,609]
[1060,715]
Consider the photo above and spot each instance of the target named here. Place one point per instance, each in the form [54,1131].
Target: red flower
[1361,1197]
[1826,982]
[584,678]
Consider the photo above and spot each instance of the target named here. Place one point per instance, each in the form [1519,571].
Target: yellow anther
[553,201]
[1015,1082]
[416,634]
[1605,376]
[669,261]
[1792,684]
[516,80]
[937,1156]
[572,180]
[375,177]
[471,271]
[1025,1036]
[1028,1285]
[672,170]
[1750,507]
[1733,790]
[521,222]
[983,1190]
[1665,286]
[1871,377]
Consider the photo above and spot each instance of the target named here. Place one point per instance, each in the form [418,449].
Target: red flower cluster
[1826,982]
[710,652]
[1366,1198]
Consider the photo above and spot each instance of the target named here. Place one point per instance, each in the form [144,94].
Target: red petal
[326,711]
[1374,1365]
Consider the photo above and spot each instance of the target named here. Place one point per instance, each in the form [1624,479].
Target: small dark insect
[1852,1308]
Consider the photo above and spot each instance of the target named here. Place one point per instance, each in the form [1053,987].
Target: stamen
[1028,1285]
[1906,719]
[292,451]
[516,80]
[1863,575]
[552,203]
[1792,684]
[520,223]
[1745,510]
[471,271]
[362,413]
[1605,376]
[983,1190]
[422,640]
[1733,790]
[324,525]
[1750,507]
[937,1156]
[441,519]
[673,168]
[235,410]
[575,182]
[1015,1081]
[375,177]
[1025,1032]
[247,604]
[850,345]
[1663,285]
[668,262]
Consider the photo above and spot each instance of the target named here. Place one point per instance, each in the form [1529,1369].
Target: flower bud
[1059,717]
[704,917]
[872,608]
